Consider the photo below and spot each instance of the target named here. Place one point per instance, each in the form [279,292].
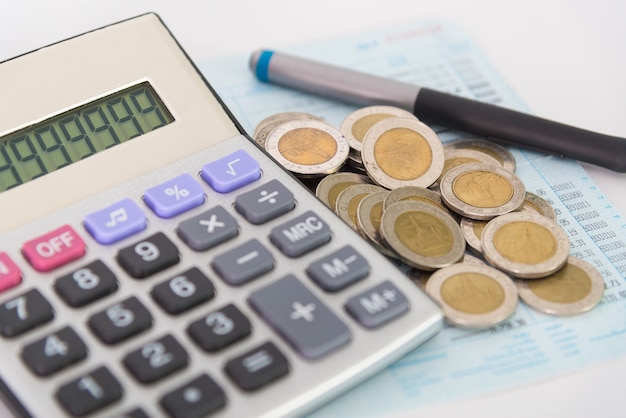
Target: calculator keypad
[243,282]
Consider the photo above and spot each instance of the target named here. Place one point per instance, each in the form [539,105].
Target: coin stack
[425,204]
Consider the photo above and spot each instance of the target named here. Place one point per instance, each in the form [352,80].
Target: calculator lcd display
[79,133]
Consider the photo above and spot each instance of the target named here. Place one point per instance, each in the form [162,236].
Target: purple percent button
[175,196]
[231,172]
[117,221]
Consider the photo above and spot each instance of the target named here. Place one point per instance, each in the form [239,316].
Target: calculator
[154,262]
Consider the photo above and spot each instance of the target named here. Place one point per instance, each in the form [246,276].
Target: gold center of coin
[403,154]
[334,191]
[424,234]
[361,126]
[472,293]
[483,189]
[525,242]
[307,146]
[568,285]
[353,206]
[376,213]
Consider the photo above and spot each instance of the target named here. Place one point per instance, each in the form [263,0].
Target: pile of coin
[424,204]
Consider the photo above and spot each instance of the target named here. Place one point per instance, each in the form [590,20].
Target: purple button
[174,196]
[231,172]
[115,222]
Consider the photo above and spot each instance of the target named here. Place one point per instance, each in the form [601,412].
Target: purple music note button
[115,222]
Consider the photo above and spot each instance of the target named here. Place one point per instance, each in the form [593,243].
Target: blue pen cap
[260,62]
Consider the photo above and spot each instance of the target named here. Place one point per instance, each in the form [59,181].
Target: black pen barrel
[514,128]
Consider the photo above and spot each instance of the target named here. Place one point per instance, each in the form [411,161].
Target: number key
[120,321]
[90,392]
[184,291]
[219,328]
[24,313]
[86,284]
[156,359]
[54,352]
[148,256]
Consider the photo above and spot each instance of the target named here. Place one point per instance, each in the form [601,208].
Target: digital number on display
[79,133]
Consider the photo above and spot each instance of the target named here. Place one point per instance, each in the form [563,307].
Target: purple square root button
[231,172]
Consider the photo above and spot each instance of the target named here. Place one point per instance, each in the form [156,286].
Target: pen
[493,122]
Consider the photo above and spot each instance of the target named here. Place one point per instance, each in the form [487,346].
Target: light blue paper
[529,347]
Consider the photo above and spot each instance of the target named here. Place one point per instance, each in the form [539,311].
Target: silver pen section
[331,81]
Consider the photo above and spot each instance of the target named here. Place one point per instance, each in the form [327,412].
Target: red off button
[54,249]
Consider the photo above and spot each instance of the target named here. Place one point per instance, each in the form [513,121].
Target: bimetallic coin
[575,288]
[472,231]
[539,205]
[402,152]
[369,214]
[356,124]
[330,186]
[418,194]
[473,295]
[349,199]
[481,191]
[504,157]
[308,147]
[457,157]
[267,125]
[467,258]
[525,245]
[425,237]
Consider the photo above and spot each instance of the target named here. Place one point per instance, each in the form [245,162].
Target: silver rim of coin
[476,212]
[504,157]
[364,220]
[267,125]
[342,207]
[325,186]
[525,270]
[468,258]
[380,177]
[473,240]
[473,320]
[328,167]
[420,261]
[565,309]
[406,192]
[467,154]
[537,204]
[348,123]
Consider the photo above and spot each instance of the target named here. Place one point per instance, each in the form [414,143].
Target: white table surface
[567,60]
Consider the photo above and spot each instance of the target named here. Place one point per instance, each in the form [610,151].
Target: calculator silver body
[40,84]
